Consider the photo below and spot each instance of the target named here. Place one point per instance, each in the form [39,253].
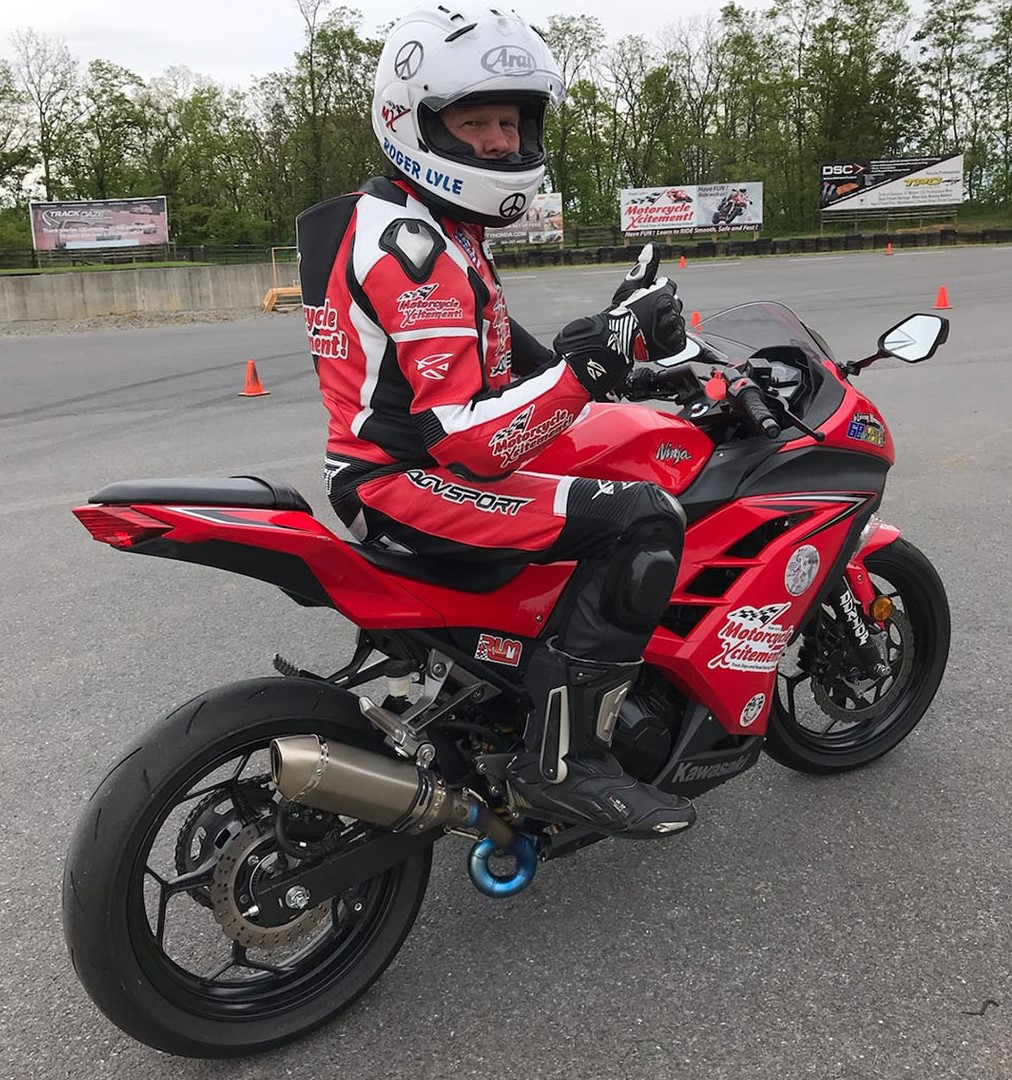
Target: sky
[235,41]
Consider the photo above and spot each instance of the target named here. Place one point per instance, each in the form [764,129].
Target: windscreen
[742,331]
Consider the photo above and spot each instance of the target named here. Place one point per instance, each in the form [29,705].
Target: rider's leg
[578,681]
[627,537]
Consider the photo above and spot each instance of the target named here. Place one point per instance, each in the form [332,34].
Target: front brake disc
[872,710]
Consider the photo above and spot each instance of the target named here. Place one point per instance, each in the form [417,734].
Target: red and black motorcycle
[734,203]
[257,858]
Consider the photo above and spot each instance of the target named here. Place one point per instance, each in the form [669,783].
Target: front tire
[118,883]
[825,723]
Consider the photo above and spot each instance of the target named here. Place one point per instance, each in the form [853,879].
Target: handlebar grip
[756,411]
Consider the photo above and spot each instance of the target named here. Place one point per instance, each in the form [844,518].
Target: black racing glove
[649,323]
[588,346]
[660,329]
[641,276]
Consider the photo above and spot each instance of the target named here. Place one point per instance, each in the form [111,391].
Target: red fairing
[728,660]
[876,536]
[856,425]
[369,597]
[627,442]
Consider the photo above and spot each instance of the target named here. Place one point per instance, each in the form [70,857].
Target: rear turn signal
[120,526]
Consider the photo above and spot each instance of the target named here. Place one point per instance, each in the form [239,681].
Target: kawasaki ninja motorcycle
[254,861]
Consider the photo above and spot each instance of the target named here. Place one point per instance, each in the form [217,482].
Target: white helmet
[437,57]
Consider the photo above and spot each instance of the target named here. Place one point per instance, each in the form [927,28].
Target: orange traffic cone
[942,300]
[254,387]
[889,249]
[681,262]
[695,320]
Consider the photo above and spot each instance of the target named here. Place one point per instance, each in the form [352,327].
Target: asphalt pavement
[854,927]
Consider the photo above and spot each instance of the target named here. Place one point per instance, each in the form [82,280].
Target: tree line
[745,94]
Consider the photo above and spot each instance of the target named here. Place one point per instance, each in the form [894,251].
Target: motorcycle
[733,204]
[256,859]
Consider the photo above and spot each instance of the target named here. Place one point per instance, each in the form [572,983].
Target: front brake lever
[795,421]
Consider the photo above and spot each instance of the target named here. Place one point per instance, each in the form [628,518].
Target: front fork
[852,600]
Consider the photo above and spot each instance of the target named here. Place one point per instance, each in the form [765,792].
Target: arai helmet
[439,56]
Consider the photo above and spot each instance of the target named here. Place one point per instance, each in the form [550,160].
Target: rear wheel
[161,882]
[827,716]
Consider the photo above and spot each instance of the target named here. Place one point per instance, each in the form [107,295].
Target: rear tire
[124,962]
[899,569]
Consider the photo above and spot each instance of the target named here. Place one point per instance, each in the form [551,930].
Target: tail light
[120,526]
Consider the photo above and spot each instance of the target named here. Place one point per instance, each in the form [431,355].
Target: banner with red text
[691,208]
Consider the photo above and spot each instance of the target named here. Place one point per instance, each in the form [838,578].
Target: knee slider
[638,588]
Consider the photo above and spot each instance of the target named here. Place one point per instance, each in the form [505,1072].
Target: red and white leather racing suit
[429,424]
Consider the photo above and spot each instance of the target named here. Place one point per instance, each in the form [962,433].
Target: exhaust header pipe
[399,796]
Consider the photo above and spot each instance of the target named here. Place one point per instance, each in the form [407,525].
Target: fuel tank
[627,442]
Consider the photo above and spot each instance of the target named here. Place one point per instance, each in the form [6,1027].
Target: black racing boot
[566,772]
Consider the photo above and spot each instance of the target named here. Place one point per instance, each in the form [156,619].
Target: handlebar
[744,397]
[750,404]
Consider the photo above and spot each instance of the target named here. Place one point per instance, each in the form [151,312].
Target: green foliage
[15,228]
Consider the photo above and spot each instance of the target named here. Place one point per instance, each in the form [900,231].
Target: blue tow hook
[503,839]
[495,885]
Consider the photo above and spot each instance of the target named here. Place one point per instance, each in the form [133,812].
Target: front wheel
[160,885]
[827,716]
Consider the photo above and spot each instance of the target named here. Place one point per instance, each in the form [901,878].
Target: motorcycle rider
[437,399]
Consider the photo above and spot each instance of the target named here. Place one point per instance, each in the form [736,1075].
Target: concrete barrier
[86,294]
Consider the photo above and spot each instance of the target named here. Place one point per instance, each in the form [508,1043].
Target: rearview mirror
[691,350]
[915,339]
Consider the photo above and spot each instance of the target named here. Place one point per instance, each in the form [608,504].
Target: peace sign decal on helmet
[435,58]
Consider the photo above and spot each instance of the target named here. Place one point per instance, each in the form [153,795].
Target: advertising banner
[702,208]
[890,184]
[70,226]
[541,224]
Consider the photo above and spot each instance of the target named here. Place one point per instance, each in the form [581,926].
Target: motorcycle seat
[461,576]
[249,491]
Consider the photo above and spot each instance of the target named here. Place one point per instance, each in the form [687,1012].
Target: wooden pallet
[282,296]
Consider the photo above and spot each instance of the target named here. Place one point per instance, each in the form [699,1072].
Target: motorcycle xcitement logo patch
[518,438]
[417,305]
[752,639]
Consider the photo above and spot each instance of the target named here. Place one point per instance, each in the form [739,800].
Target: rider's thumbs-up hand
[641,276]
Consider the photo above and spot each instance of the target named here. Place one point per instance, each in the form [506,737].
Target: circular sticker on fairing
[753,707]
[802,568]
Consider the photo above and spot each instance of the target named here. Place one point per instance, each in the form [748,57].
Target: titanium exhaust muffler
[399,796]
